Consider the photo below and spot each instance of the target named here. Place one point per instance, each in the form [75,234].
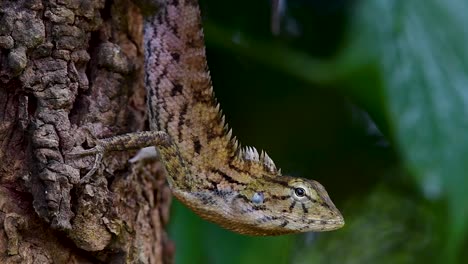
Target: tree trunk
[68,69]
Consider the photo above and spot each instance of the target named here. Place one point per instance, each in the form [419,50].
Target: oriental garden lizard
[236,187]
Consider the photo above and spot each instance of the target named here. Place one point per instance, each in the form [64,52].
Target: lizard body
[208,171]
[215,177]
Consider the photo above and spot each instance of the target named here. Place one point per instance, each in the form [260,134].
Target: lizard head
[283,205]
[309,208]
[253,198]
[267,206]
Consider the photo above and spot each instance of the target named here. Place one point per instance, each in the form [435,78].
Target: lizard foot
[98,151]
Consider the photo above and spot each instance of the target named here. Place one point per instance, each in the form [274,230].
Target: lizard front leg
[124,142]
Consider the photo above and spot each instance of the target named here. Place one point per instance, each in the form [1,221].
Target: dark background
[369,98]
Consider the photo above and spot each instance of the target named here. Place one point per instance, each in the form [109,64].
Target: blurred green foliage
[368,97]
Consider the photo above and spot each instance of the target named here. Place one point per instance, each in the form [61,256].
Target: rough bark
[70,68]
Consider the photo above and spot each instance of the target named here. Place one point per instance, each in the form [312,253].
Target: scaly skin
[214,177]
[237,188]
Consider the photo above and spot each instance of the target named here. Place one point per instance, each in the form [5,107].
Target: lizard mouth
[325,224]
[334,224]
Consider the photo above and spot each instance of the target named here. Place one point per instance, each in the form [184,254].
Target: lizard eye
[299,192]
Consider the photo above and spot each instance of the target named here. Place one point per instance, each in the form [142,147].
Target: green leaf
[421,50]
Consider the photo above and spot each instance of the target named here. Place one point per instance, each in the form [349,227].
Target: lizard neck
[179,85]
[181,98]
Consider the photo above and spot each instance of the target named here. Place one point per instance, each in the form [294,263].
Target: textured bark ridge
[68,67]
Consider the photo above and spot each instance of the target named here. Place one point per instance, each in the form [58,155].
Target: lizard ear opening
[257,198]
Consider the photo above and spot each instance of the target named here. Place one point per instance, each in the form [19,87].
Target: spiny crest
[222,119]
[251,154]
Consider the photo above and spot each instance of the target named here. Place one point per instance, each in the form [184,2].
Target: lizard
[235,187]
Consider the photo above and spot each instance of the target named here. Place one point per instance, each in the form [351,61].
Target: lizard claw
[97,162]
[98,150]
